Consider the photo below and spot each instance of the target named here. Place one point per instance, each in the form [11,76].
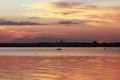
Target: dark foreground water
[98,65]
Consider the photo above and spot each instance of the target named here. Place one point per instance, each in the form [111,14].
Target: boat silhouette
[58,49]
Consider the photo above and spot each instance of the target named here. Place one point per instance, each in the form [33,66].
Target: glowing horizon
[51,20]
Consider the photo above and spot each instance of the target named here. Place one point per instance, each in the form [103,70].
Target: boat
[58,49]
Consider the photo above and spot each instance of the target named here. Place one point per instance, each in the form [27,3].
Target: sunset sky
[53,20]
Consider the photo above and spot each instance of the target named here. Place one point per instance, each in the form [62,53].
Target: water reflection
[59,68]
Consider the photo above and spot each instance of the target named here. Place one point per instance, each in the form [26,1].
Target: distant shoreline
[66,44]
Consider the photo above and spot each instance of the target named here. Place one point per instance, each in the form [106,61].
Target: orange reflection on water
[59,68]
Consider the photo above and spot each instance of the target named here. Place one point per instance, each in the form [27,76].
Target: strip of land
[61,44]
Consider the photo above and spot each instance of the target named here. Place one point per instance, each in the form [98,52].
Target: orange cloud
[69,10]
[11,33]
[66,20]
[85,15]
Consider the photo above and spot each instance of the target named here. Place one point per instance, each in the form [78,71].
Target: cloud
[34,17]
[19,23]
[67,22]
[36,39]
[85,14]
[66,4]
[71,10]
[13,33]
[1,20]
[84,23]
[106,3]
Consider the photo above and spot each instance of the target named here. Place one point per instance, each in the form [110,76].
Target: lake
[66,64]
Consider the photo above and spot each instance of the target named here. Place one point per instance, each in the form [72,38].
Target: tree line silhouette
[61,44]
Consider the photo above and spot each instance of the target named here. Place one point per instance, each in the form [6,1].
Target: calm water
[66,64]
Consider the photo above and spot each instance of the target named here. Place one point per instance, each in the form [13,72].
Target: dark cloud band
[19,23]
[67,22]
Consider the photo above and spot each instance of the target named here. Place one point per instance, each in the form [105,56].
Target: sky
[55,20]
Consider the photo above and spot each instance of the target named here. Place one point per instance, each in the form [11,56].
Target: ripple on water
[59,68]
